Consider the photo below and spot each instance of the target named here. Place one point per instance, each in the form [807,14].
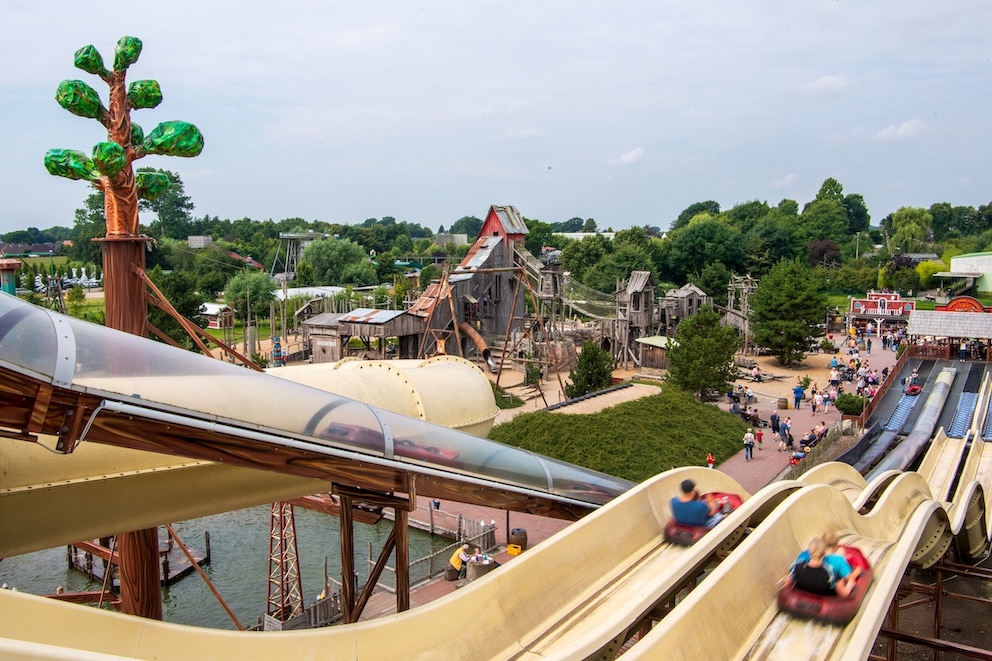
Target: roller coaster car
[430,453]
[362,437]
[829,608]
[912,391]
[685,535]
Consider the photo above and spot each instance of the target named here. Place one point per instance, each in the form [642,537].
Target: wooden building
[949,335]
[482,296]
[217,315]
[653,353]
[327,335]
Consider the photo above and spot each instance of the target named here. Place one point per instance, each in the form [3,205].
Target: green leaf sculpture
[151,184]
[111,169]
[137,134]
[71,164]
[88,59]
[174,139]
[110,157]
[144,93]
[80,99]
[127,52]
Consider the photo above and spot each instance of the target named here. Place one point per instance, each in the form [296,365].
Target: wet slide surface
[578,594]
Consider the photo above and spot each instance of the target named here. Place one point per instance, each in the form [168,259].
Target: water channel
[239,543]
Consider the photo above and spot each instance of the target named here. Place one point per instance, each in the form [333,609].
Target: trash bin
[518,536]
[783,403]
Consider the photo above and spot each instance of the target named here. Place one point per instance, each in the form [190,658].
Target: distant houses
[28,249]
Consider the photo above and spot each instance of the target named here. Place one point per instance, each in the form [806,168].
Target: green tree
[427,275]
[593,371]
[469,225]
[825,219]
[331,258]
[900,274]
[180,290]
[538,235]
[786,309]
[618,265]
[75,300]
[172,208]
[911,228]
[250,287]
[579,256]
[569,226]
[713,280]
[703,242]
[589,225]
[830,189]
[700,355]
[90,223]
[858,219]
[708,207]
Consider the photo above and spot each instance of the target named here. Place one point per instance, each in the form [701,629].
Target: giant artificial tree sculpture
[110,169]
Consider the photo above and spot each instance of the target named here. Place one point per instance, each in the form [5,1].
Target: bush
[593,371]
[849,404]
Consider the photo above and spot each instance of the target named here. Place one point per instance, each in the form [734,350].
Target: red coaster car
[913,391]
[829,608]
[683,535]
[405,448]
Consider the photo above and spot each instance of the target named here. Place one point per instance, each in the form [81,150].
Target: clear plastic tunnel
[79,355]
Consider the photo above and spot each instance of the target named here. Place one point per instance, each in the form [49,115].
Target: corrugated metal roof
[511,219]
[323,319]
[659,341]
[212,308]
[958,274]
[479,253]
[950,324]
[370,316]
[685,290]
[639,281]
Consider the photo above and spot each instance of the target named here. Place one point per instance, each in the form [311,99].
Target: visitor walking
[748,444]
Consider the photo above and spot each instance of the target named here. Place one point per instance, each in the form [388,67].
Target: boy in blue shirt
[689,510]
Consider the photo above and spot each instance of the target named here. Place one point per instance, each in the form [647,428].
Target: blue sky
[626,112]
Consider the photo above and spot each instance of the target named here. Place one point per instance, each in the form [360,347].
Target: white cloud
[628,158]
[827,85]
[908,130]
[784,182]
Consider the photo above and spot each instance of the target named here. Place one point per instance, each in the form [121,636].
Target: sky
[626,111]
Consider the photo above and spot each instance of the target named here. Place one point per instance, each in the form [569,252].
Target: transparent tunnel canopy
[109,362]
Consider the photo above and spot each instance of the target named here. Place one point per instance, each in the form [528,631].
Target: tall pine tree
[786,310]
[700,356]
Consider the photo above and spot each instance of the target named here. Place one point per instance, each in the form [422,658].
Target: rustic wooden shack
[217,315]
[327,335]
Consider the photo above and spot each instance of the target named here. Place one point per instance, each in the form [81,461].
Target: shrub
[849,404]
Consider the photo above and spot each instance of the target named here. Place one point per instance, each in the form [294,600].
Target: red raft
[829,608]
[683,535]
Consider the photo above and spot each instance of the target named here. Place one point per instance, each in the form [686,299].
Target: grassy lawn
[634,440]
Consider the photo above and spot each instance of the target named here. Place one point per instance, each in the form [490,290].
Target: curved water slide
[581,593]
[578,594]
